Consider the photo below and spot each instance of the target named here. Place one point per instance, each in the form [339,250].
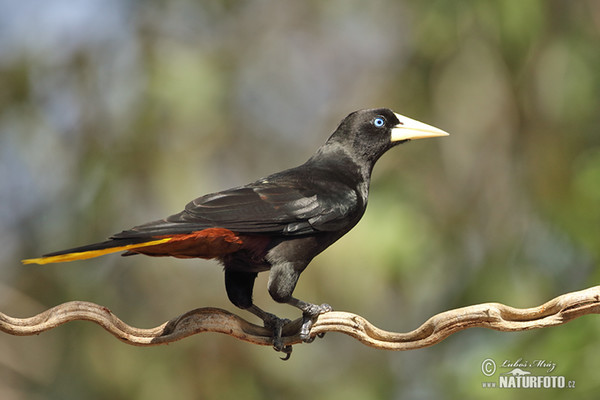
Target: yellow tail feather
[84,255]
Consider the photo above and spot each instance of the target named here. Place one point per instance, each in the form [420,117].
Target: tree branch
[557,311]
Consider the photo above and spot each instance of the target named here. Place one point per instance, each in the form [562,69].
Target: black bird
[278,223]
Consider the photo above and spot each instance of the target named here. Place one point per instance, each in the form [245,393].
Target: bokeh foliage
[113,113]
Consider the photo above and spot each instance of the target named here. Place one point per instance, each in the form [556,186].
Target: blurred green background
[114,113]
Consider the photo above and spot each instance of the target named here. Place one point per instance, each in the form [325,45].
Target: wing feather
[263,207]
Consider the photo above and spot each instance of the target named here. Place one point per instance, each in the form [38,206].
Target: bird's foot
[276,324]
[309,316]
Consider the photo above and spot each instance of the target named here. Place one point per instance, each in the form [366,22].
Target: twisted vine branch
[557,311]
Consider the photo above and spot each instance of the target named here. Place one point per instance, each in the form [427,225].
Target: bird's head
[368,134]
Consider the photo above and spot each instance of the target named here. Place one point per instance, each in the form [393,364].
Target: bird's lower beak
[410,129]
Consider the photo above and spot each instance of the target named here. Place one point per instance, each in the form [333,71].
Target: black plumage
[278,223]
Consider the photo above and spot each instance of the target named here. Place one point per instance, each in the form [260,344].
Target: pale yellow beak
[409,128]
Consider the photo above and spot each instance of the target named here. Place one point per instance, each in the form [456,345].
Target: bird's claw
[309,316]
[276,324]
[287,350]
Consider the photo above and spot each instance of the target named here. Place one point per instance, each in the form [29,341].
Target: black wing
[263,207]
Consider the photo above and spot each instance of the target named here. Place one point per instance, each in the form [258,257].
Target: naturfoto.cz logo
[523,374]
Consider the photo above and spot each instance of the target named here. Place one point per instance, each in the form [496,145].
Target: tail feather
[94,250]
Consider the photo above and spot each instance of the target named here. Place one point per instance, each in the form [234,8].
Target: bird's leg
[282,281]
[309,314]
[275,323]
[239,285]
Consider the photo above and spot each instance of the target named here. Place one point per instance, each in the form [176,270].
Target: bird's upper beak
[409,129]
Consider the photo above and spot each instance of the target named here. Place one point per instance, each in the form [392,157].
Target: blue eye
[379,122]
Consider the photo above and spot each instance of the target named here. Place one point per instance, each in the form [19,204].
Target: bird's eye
[379,122]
